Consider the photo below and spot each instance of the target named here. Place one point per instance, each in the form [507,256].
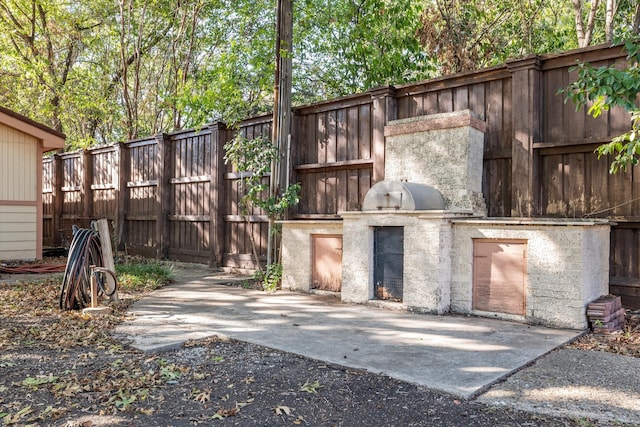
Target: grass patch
[143,276]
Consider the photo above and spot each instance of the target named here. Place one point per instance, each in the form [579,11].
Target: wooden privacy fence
[172,196]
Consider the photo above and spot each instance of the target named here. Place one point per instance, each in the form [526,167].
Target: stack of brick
[606,314]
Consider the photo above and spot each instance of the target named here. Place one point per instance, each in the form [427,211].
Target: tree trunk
[584,34]
[608,22]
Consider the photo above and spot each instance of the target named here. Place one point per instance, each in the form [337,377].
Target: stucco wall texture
[446,158]
[296,251]
[566,266]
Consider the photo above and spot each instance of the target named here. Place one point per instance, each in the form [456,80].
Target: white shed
[22,144]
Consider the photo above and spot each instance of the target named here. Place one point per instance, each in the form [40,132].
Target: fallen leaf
[227,412]
[279,410]
[203,396]
[243,404]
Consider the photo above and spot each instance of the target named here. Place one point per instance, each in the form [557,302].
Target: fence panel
[624,271]
[245,229]
[488,94]
[105,164]
[332,156]
[575,184]
[48,230]
[142,212]
[562,124]
[72,194]
[190,210]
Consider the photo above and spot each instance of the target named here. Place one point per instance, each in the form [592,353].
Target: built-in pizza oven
[404,196]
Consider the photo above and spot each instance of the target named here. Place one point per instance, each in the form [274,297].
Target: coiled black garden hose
[85,259]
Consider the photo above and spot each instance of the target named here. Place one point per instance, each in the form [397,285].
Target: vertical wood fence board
[364,132]
[554,109]
[342,190]
[351,134]
[621,191]
[331,131]
[48,184]
[578,118]
[299,139]
[634,202]
[319,193]
[321,135]
[598,185]
[365,183]
[341,135]
[430,103]
[331,193]
[445,101]
[552,186]
[352,187]
[574,187]
[477,99]
[461,98]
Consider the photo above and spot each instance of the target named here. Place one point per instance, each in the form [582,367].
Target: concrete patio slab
[459,355]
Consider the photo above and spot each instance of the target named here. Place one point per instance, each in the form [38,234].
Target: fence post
[87,180]
[526,97]
[57,196]
[384,110]
[217,209]
[122,195]
[163,195]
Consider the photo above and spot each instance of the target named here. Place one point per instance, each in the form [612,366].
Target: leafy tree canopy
[110,70]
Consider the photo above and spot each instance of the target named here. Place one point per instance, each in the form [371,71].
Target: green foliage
[342,47]
[143,276]
[270,278]
[311,388]
[35,382]
[104,71]
[253,157]
[464,35]
[608,87]
[625,148]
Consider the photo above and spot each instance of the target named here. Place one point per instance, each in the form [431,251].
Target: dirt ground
[65,369]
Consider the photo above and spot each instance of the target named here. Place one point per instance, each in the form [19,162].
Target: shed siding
[18,232]
[19,163]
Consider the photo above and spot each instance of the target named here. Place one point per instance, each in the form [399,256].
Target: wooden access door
[499,276]
[327,262]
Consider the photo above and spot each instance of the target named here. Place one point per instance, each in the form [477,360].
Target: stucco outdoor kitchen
[422,240]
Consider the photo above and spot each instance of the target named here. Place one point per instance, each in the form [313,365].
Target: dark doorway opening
[388,260]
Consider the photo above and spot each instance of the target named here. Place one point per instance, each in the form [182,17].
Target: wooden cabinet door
[499,276]
[327,262]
